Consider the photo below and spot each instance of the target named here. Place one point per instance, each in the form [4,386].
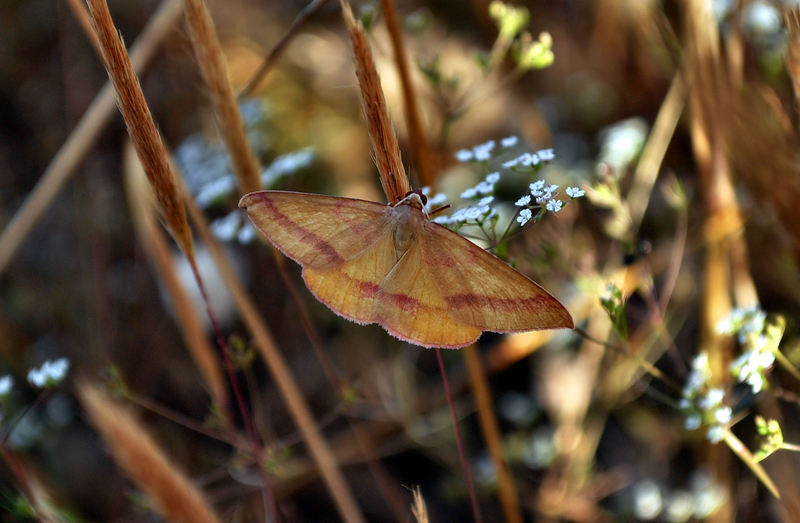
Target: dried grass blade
[379,124]
[214,69]
[173,495]
[141,127]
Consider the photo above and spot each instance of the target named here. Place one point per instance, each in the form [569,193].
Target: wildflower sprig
[614,305]
[50,374]
[482,209]
[702,404]
[759,340]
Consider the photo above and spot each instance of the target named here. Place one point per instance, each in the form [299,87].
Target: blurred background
[678,120]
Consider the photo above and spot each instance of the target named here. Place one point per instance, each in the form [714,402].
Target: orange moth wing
[375,263]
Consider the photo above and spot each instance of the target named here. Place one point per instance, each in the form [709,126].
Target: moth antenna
[438,210]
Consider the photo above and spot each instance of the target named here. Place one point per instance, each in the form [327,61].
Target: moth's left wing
[315,230]
[481,290]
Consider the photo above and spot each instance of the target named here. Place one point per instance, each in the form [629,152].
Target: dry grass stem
[153,241]
[411,108]
[419,509]
[287,385]
[214,69]
[141,126]
[381,134]
[490,429]
[647,169]
[75,148]
[791,16]
[172,493]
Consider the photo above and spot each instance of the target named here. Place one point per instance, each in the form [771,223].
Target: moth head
[414,199]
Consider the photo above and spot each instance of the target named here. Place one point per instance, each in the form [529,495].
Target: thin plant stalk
[462,455]
[509,499]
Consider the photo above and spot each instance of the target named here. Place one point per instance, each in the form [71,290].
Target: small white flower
[522,202]
[509,141]
[693,421]
[472,192]
[493,177]
[546,155]
[524,216]
[464,155]
[482,155]
[712,398]
[473,213]
[647,500]
[715,433]
[575,192]
[484,187]
[52,372]
[6,382]
[441,220]
[483,151]
[554,205]
[723,415]
[756,382]
[536,187]
[486,200]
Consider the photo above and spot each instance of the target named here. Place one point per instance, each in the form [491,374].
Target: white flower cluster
[530,159]
[758,345]
[476,213]
[483,151]
[702,404]
[543,195]
[532,206]
[651,500]
[51,373]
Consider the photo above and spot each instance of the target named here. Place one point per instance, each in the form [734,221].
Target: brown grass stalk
[141,127]
[287,385]
[172,493]
[791,16]
[509,499]
[713,97]
[411,108]
[214,69]
[647,168]
[379,124]
[77,145]
[156,246]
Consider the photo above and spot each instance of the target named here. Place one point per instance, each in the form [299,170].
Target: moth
[390,264]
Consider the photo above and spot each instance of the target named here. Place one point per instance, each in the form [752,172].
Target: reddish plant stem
[271,502]
[462,455]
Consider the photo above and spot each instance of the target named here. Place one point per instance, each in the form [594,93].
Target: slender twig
[462,455]
[307,12]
